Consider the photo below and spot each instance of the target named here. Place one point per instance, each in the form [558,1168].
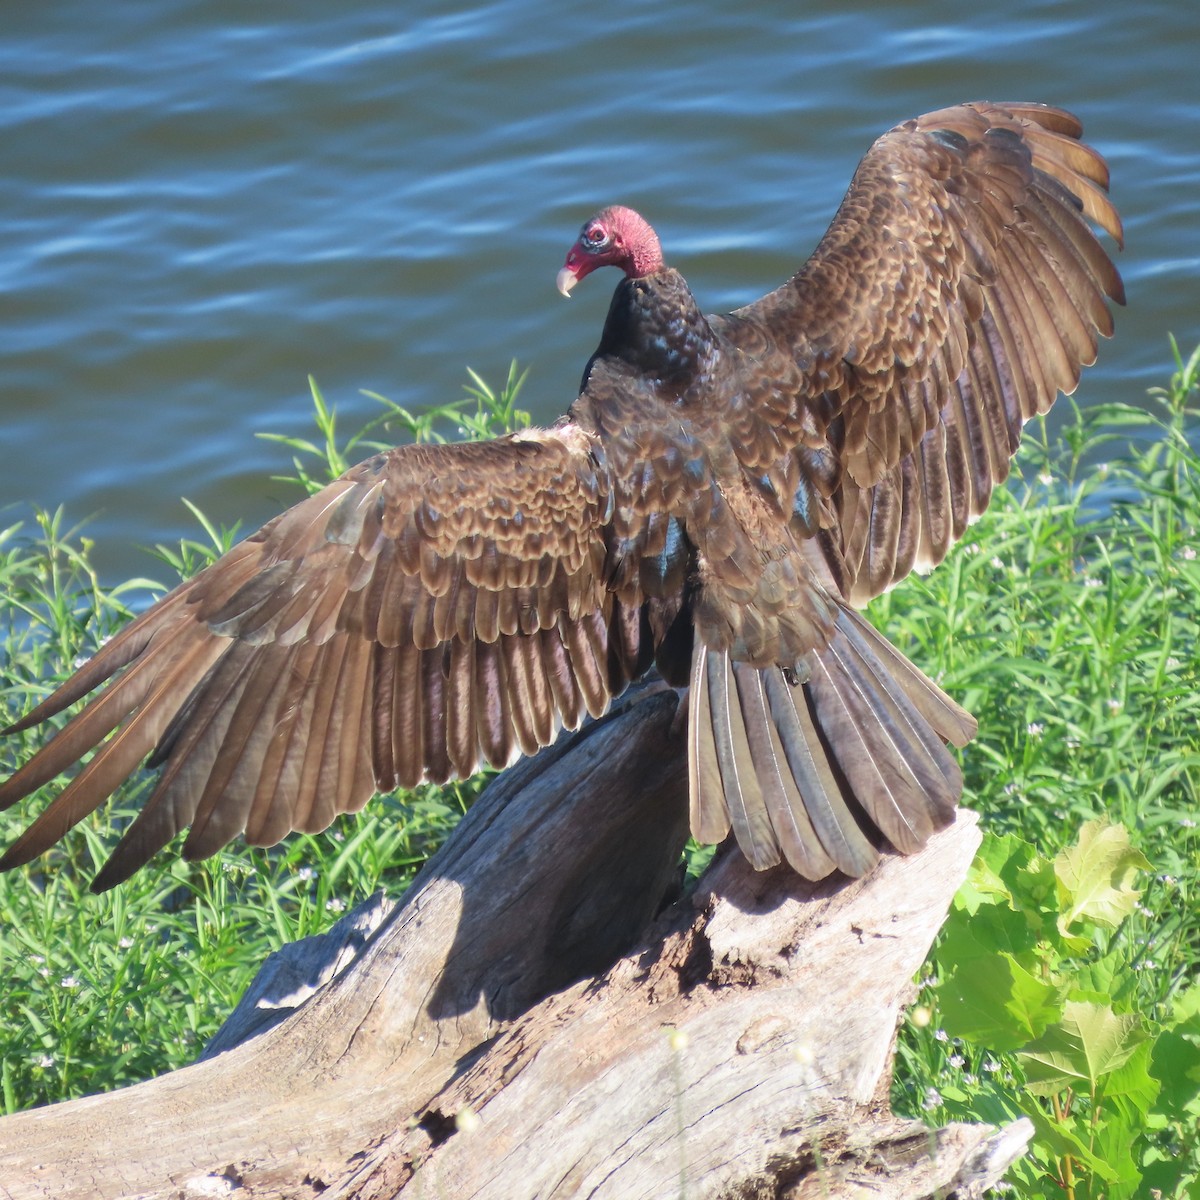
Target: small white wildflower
[1035,729]
[969,1079]
[1045,478]
[1092,582]
[125,943]
[956,1061]
[1189,553]
[1173,664]
[997,563]
[1114,705]
[932,1100]
[46,1062]
[1072,743]
[44,972]
[306,874]
[973,548]
[677,1040]
[1187,823]
[337,904]
[990,1065]
[1010,789]
[940,1035]
[69,982]
[467,1120]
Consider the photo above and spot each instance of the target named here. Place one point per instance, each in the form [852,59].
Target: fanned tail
[816,771]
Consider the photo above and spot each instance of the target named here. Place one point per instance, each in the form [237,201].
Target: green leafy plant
[1036,966]
[1064,985]
[495,412]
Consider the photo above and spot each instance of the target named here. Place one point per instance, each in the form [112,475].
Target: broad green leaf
[1185,1011]
[1109,978]
[999,855]
[1176,1065]
[1095,875]
[1088,1043]
[1059,1138]
[1167,1176]
[1113,1142]
[982,886]
[994,929]
[1131,1088]
[995,1002]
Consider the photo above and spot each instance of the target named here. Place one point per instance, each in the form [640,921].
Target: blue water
[201,204]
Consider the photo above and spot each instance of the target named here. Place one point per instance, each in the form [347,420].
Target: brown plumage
[721,495]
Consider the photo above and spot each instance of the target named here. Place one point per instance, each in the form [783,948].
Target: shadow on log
[541,1015]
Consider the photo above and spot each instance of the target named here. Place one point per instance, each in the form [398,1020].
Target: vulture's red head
[614,237]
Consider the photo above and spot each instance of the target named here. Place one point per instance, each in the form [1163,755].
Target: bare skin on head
[614,237]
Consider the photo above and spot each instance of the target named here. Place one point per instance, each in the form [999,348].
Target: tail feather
[709,816]
[841,843]
[815,771]
[736,760]
[949,721]
[884,768]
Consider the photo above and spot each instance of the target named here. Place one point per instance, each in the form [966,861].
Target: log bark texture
[542,1015]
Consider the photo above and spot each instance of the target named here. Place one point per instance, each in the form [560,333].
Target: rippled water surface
[200,204]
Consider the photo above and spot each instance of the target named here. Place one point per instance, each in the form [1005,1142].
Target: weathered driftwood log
[526,1022]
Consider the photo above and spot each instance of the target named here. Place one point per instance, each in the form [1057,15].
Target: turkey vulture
[722,495]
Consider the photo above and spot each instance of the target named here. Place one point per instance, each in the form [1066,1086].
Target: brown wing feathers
[1020,284]
[435,608]
[748,475]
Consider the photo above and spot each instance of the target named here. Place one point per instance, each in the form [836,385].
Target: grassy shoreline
[1068,621]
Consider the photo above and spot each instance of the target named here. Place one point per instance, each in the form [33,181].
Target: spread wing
[435,607]
[883,390]
[958,290]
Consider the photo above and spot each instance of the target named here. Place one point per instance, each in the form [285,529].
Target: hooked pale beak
[565,280]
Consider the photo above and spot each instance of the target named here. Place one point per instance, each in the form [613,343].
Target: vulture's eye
[596,236]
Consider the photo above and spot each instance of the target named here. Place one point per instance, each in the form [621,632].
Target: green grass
[1067,621]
